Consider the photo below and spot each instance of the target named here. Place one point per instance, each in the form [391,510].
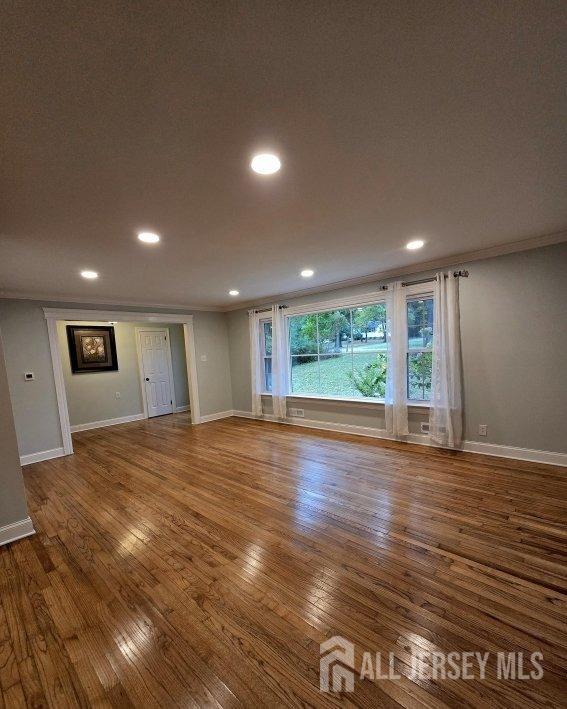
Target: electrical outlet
[425,427]
[118,395]
[203,358]
[29,376]
[299,413]
[482,429]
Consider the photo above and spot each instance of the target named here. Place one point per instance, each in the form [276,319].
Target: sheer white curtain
[255,363]
[446,413]
[396,384]
[279,362]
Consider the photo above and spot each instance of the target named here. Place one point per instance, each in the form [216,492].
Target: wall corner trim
[42,455]
[16,530]
[492,449]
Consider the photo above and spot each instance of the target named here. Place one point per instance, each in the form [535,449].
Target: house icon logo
[336,665]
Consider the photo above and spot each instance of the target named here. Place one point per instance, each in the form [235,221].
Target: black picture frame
[92,348]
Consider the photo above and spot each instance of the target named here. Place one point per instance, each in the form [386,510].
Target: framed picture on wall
[92,349]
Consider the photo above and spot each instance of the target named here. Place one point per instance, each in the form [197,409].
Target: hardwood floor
[203,566]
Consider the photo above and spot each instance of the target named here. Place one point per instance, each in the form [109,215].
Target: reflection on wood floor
[202,566]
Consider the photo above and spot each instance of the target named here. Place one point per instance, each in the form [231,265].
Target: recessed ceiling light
[415,244]
[89,274]
[307,272]
[148,237]
[265,163]
[233,292]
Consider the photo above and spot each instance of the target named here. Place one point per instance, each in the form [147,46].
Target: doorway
[156,371]
[53,315]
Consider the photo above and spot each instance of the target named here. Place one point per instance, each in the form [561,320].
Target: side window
[266,352]
[419,348]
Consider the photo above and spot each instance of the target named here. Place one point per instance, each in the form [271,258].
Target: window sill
[366,401]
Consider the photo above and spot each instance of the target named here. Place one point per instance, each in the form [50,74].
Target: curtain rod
[456,274]
[269,310]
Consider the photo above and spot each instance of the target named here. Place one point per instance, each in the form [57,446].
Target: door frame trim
[138,330]
[52,315]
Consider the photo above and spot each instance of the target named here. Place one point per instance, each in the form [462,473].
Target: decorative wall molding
[115,315]
[535,242]
[492,449]
[218,415]
[107,422]
[50,298]
[42,455]
[16,530]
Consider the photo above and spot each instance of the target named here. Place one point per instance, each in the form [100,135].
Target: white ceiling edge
[489,252]
[478,255]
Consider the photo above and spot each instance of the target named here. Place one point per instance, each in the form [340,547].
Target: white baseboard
[16,530]
[534,456]
[215,417]
[530,454]
[41,455]
[181,409]
[106,422]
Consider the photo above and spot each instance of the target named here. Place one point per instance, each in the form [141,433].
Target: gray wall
[92,397]
[13,506]
[27,349]
[514,339]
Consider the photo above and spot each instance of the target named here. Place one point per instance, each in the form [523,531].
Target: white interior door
[156,372]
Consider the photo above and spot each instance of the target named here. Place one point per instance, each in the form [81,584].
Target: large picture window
[339,353]
[419,348]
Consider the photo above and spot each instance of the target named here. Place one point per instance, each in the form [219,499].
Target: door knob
[147,379]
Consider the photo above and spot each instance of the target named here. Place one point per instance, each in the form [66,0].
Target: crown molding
[59,299]
[453,260]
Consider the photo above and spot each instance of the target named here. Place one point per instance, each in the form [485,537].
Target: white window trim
[417,291]
[362,401]
[263,354]
[353,301]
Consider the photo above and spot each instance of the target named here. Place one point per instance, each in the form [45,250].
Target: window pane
[336,371]
[420,323]
[267,374]
[267,332]
[305,375]
[303,334]
[369,328]
[334,331]
[419,375]
[369,374]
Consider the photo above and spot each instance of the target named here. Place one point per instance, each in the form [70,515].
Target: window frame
[350,304]
[417,292]
[375,298]
[263,355]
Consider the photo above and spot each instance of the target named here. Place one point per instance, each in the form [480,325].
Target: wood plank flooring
[203,566]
